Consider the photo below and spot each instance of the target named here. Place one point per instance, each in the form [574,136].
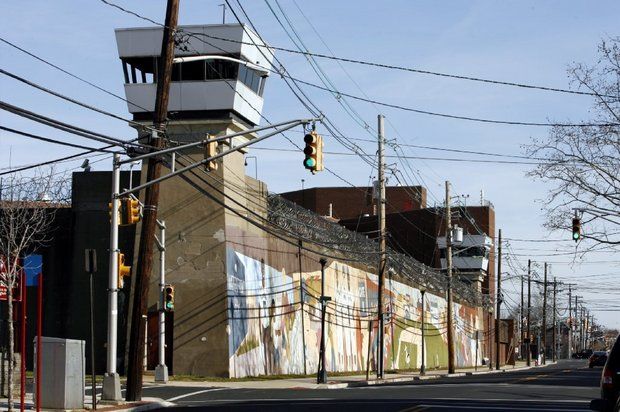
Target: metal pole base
[111,388]
[161,374]
[322,376]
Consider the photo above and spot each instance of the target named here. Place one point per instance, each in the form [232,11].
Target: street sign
[90,260]
[17,296]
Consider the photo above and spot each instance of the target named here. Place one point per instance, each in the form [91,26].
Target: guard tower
[217,89]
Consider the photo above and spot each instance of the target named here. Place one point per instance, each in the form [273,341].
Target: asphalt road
[567,386]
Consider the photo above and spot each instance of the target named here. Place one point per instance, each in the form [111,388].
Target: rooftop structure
[227,81]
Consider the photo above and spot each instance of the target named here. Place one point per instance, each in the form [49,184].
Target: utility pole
[529,310]
[382,251]
[582,334]
[151,200]
[449,274]
[521,346]
[577,344]
[555,289]
[544,320]
[570,324]
[499,298]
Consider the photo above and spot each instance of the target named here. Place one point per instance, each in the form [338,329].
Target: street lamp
[255,165]
[423,364]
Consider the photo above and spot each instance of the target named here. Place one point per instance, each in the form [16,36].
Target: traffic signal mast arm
[287,126]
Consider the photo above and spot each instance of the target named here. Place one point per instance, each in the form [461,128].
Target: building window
[144,70]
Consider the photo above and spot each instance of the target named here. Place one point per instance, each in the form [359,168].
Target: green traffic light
[576,236]
[309,162]
[169,305]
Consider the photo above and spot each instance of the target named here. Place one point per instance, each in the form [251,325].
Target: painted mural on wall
[275,321]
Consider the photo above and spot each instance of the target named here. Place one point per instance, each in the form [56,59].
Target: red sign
[17,296]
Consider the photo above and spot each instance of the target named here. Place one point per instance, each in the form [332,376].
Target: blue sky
[521,41]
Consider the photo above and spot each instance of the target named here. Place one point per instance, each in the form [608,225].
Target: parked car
[584,354]
[610,382]
[598,358]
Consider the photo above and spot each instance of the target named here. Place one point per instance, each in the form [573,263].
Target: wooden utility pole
[544,320]
[529,310]
[570,324]
[555,347]
[577,344]
[151,200]
[521,331]
[499,298]
[451,360]
[382,251]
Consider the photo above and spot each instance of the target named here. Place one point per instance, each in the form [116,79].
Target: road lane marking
[187,395]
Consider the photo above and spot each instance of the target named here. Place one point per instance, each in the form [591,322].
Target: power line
[415,157]
[69,99]
[446,115]
[89,134]
[407,69]
[48,140]
[67,72]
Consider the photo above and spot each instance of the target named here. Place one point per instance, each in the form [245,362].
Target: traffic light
[110,212]
[576,229]
[313,152]
[210,151]
[130,211]
[169,298]
[122,270]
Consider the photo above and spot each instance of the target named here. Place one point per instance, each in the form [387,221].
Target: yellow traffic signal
[210,151]
[110,212]
[314,152]
[122,270]
[130,211]
[169,298]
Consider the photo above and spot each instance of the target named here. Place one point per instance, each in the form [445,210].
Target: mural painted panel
[275,321]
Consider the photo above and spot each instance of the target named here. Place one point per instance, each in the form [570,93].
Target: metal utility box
[63,365]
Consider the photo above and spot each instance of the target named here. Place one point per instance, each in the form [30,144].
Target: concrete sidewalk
[337,382]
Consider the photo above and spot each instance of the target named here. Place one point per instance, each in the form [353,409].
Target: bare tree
[582,163]
[27,209]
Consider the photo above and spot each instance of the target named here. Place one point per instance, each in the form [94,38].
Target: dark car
[584,354]
[610,382]
[598,358]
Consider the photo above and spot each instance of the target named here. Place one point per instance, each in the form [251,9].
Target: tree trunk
[11,360]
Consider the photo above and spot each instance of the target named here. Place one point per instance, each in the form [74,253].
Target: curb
[427,377]
[146,404]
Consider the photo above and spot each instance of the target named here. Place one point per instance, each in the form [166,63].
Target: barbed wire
[308,225]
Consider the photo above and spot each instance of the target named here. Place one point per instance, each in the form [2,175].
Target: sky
[529,42]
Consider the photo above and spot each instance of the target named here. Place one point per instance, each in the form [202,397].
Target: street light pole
[111,380]
[322,373]
[161,370]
